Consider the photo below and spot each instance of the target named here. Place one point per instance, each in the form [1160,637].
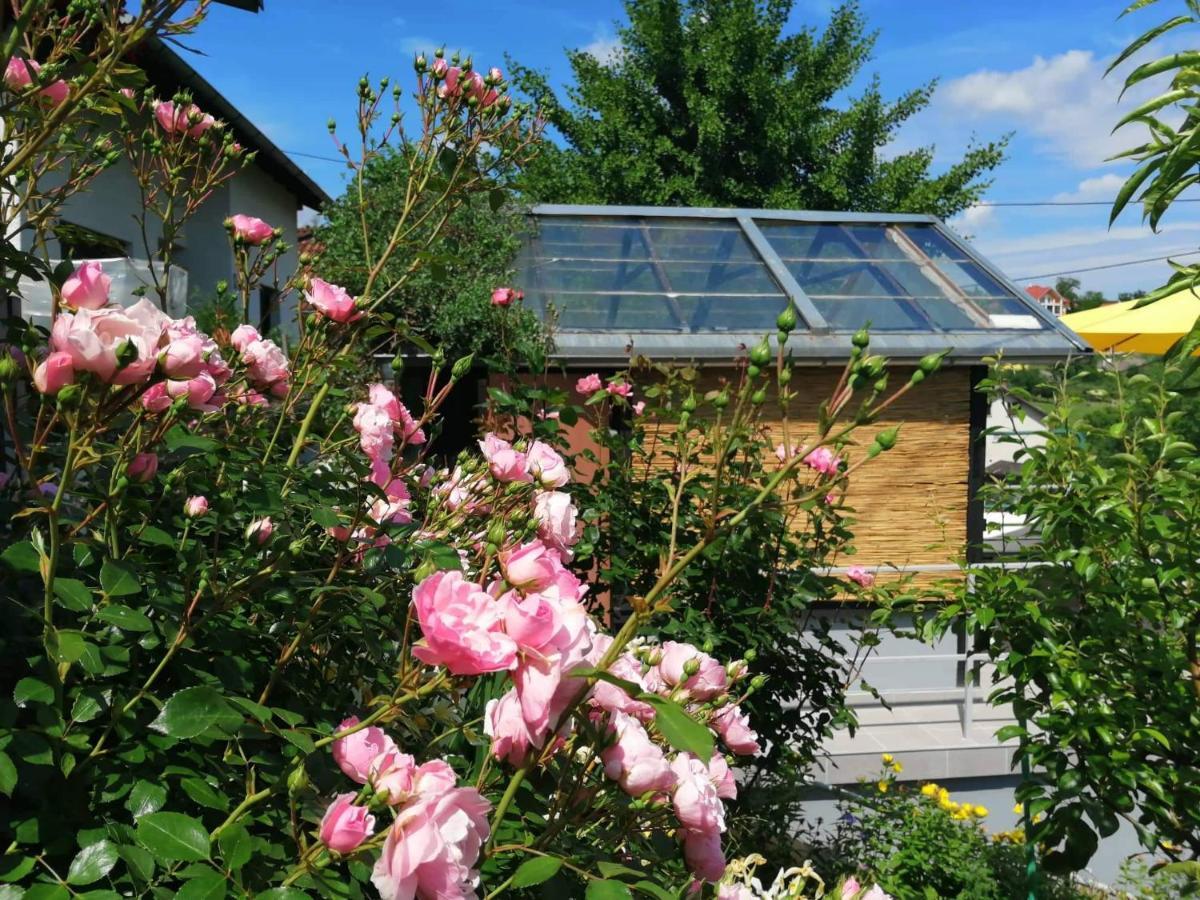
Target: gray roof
[169,72]
[690,283]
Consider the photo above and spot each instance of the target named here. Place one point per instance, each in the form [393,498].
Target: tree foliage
[716,103]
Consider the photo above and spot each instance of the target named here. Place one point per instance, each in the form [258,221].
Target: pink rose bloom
[93,338]
[143,467]
[19,73]
[462,626]
[87,287]
[189,119]
[156,399]
[503,296]
[542,679]
[695,799]
[505,463]
[195,507]
[439,68]
[634,761]
[56,92]
[532,620]
[781,452]
[556,517]
[450,87]
[393,771]
[355,752]
[331,301]
[344,825]
[733,726]
[184,356]
[376,432]
[823,460]
[250,230]
[722,778]
[504,724]
[546,466]
[851,888]
[529,567]
[267,364]
[710,679]
[876,893]
[243,336]
[609,696]
[198,391]
[639,407]
[433,846]
[405,424]
[260,530]
[588,384]
[478,88]
[861,575]
[703,855]
[54,373]
[619,389]
[495,75]
[735,892]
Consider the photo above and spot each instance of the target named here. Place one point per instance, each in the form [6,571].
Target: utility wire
[1066,202]
[1116,265]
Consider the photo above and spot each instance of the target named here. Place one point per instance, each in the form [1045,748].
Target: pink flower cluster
[332,302]
[250,230]
[455,84]
[379,422]
[20,74]
[439,828]
[616,387]
[506,296]
[179,119]
[266,364]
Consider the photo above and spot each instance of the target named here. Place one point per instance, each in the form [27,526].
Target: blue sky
[1027,67]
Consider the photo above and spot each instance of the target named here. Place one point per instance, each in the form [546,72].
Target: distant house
[1051,299]
[99,224]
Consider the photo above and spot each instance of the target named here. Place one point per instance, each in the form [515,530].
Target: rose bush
[262,642]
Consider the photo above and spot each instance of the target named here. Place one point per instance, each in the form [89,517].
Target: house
[98,223]
[1051,299]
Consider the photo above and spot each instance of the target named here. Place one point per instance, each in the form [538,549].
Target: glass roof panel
[650,274]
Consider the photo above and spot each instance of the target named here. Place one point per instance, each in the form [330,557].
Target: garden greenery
[260,643]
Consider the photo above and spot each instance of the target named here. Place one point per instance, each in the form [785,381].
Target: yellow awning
[1149,329]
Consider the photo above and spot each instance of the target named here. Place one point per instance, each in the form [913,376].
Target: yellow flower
[1019,809]
[943,795]
[897,768]
[883,786]
[980,812]
[928,790]
[888,759]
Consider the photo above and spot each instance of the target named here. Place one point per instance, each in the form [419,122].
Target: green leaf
[616,870]
[282,893]
[173,837]
[179,438]
[204,794]
[138,861]
[89,703]
[536,870]
[235,845]
[31,690]
[1008,732]
[72,594]
[204,887]
[22,557]
[654,890]
[1146,38]
[117,581]
[326,518]
[152,535]
[67,646]
[193,711]
[607,890]
[46,892]
[14,867]
[92,863]
[124,618]
[8,774]
[680,730]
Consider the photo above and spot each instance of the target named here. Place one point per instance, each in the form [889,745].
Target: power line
[1065,202]
[1117,265]
[332,159]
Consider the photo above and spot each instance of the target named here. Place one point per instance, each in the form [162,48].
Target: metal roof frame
[820,343]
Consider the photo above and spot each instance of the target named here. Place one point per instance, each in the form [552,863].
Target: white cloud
[973,219]
[1102,187]
[604,47]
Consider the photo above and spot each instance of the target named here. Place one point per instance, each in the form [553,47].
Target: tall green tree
[718,103]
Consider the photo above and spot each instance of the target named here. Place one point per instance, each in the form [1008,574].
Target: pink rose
[703,855]
[733,726]
[94,337]
[709,679]
[156,399]
[609,696]
[433,846]
[393,771]
[722,778]
[639,407]
[250,230]
[376,432]
[344,825]
[260,530]
[195,507]
[332,302]
[189,119]
[619,389]
[355,752]
[56,92]
[634,761]
[19,73]
[462,626]
[54,373]
[695,799]
[184,355]
[861,575]
[495,75]
[267,364]
[198,391]
[545,466]
[823,460]
[781,452]
[588,384]
[556,518]
[405,424]
[504,296]
[143,467]
[87,287]
[505,463]
[529,567]
[243,336]
[851,888]
[504,724]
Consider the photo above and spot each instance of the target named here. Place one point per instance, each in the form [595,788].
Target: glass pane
[852,313]
[659,312]
[932,243]
[830,241]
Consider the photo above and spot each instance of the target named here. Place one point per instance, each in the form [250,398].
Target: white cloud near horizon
[1101,187]
[604,48]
